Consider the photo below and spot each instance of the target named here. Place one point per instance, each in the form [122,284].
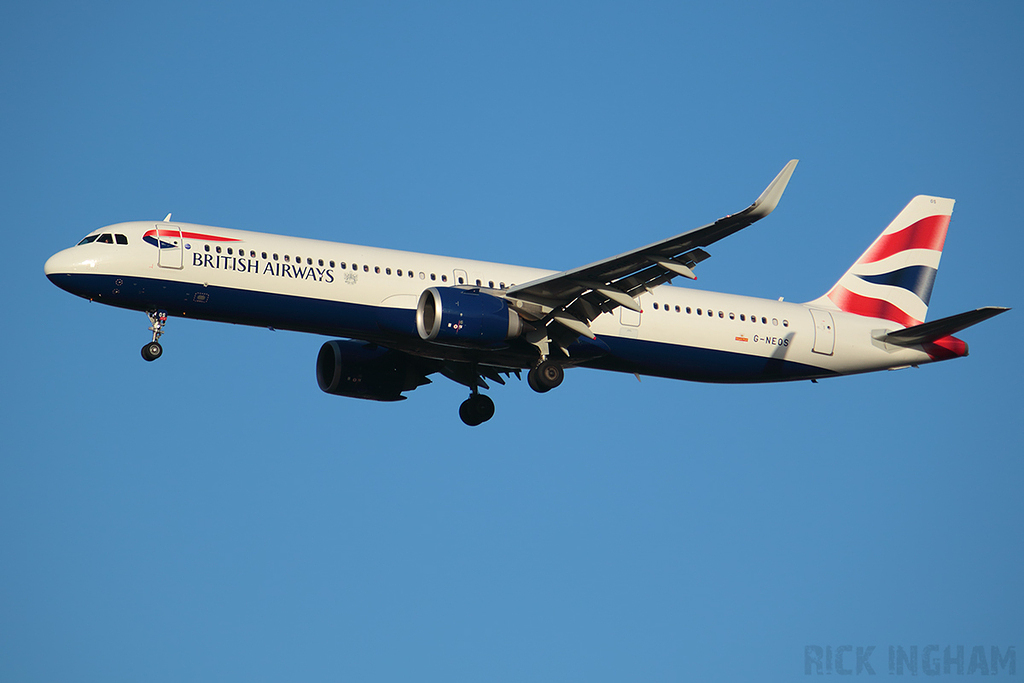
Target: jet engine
[449,314]
[361,370]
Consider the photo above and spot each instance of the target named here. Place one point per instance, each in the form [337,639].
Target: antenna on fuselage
[167,219]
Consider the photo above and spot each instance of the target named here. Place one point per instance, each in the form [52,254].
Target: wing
[575,297]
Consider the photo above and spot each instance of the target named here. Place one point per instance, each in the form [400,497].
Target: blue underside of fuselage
[396,328]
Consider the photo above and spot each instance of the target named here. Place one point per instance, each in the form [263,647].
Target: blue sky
[214,516]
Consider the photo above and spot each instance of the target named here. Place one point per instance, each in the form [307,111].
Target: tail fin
[893,279]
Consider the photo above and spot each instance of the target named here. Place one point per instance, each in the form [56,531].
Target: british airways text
[251,265]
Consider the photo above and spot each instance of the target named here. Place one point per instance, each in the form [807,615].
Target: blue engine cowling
[360,370]
[449,314]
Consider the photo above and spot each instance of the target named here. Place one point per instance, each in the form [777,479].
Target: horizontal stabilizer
[937,329]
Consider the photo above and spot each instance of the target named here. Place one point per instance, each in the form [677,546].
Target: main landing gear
[545,377]
[153,350]
[476,409]
[479,408]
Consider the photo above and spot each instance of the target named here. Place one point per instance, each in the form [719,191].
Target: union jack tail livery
[893,279]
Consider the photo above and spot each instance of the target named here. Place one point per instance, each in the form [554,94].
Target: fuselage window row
[721,314]
[121,239]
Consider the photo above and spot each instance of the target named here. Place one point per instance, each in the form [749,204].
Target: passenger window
[275,257]
[433,276]
[699,312]
[121,239]
[478,283]
[399,272]
[743,318]
[387,271]
[444,278]
[423,276]
[764,320]
[688,310]
[376,269]
[775,321]
[711,313]
[264,254]
[411,274]
[366,269]
[252,254]
[106,238]
[785,323]
[732,316]
[460,281]
[677,309]
[721,314]
[332,264]
[229,251]
[309,261]
[655,306]
[491,284]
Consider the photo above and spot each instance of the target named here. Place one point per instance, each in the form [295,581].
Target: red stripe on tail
[868,307]
[927,233]
[946,348]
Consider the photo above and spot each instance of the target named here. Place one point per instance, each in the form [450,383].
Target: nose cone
[63,268]
[61,263]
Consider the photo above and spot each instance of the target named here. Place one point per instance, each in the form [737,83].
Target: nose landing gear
[153,350]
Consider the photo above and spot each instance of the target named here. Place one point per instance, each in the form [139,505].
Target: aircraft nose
[63,268]
[57,264]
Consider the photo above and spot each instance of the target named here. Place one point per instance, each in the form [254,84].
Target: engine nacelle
[449,314]
[360,370]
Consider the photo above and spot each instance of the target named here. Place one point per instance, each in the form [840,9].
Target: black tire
[548,375]
[152,351]
[532,380]
[485,407]
[476,410]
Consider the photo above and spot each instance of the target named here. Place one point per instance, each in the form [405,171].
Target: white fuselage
[370,293]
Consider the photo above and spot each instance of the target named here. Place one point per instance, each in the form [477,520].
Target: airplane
[399,317]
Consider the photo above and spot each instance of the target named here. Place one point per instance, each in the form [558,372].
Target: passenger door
[169,246]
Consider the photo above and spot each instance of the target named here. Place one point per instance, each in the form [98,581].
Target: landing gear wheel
[476,410]
[545,377]
[531,379]
[152,351]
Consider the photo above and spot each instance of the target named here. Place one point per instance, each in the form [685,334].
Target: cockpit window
[121,239]
[106,238]
[88,238]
